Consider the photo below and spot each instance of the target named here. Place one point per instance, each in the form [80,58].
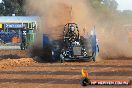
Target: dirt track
[66,75]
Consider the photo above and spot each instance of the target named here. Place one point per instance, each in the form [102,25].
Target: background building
[12,28]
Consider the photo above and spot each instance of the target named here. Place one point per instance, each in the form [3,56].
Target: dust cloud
[113,37]
[54,14]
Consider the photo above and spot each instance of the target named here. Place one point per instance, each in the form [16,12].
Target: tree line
[9,7]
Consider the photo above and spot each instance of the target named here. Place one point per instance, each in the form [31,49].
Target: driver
[72,29]
[72,33]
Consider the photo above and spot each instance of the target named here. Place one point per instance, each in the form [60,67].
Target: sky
[122,4]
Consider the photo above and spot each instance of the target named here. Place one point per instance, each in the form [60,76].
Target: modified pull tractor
[73,46]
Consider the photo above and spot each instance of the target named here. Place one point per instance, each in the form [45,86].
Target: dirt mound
[8,63]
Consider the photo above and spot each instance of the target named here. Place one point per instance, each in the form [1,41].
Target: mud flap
[61,58]
[94,44]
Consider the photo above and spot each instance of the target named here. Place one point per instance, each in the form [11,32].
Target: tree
[1,9]
[10,7]
[111,4]
[102,6]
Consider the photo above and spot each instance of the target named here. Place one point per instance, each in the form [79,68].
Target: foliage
[104,6]
[9,7]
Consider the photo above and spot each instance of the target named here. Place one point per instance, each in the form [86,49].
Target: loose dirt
[26,73]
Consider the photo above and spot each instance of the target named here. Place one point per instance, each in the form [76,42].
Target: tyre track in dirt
[68,74]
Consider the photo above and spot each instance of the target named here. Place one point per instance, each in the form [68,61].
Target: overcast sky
[123,4]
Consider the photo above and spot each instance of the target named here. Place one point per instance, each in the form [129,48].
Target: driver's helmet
[72,28]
